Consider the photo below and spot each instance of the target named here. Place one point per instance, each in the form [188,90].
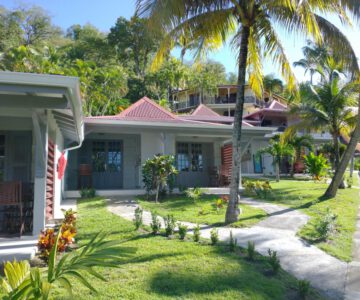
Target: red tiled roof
[148,109]
[277,105]
[203,110]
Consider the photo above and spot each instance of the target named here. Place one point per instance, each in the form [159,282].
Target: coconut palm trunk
[233,211]
[340,170]
[277,170]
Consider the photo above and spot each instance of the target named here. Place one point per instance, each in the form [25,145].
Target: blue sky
[103,15]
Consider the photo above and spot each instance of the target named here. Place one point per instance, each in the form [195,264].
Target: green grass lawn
[306,195]
[203,211]
[165,268]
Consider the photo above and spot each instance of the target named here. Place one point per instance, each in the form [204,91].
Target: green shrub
[232,242]
[303,288]
[194,193]
[86,193]
[251,250]
[170,224]
[155,224]
[214,236]
[138,221]
[316,165]
[182,231]
[261,189]
[156,172]
[349,182]
[196,236]
[249,187]
[182,188]
[326,225]
[274,261]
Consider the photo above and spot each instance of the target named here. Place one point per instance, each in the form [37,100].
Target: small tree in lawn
[278,149]
[156,172]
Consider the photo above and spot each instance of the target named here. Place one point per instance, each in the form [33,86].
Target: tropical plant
[196,235]
[279,150]
[251,250]
[251,23]
[274,261]
[86,193]
[316,165]
[303,288]
[182,231]
[232,242]
[326,225]
[214,236]
[299,143]
[272,85]
[155,223]
[138,219]
[170,224]
[23,282]
[194,193]
[156,172]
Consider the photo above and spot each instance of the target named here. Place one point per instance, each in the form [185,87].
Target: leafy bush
[155,224]
[67,234]
[138,220]
[194,193]
[156,173]
[182,188]
[196,236]
[232,242]
[182,231]
[214,236]
[251,250]
[316,165]
[261,189]
[326,225]
[303,288]
[86,193]
[23,282]
[274,261]
[170,224]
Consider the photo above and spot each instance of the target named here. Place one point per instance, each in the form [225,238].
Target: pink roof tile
[203,110]
[277,105]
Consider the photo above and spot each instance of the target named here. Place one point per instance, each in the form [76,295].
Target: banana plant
[23,282]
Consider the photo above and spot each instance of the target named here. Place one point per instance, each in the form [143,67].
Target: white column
[41,141]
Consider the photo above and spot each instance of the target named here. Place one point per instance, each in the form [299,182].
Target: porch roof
[58,94]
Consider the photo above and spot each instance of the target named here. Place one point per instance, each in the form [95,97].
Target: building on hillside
[222,102]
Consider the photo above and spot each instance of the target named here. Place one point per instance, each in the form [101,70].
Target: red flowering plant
[68,231]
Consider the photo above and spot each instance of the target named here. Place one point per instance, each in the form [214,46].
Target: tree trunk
[340,170]
[233,211]
[352,162]
[337,157]
[157,192]
[277,170]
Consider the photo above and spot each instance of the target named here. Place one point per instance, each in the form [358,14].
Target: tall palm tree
[314,56]
[251,25]
[327,107]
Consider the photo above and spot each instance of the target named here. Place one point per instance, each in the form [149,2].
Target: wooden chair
[85,172]
[225,175]
[11,195]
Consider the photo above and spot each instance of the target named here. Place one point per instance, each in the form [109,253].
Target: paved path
[352,290]
[277,232]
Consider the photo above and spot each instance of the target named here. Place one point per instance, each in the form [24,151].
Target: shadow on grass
[180,283]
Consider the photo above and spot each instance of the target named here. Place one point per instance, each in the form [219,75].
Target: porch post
[41,140]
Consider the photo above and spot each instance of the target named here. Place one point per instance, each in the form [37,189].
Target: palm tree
[327,107]
[299,142]
[251,25]
[272,84]
[279,150]
[314,57]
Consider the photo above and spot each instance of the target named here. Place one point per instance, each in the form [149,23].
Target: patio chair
[11,195]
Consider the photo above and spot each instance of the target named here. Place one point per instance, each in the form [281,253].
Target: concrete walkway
[277,232]
[352,290]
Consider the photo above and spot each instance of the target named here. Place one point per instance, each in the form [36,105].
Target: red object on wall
[61,165]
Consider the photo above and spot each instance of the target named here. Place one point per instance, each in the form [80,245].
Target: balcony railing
[195,101]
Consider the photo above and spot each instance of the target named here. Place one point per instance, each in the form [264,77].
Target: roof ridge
[145,99]
[206,108]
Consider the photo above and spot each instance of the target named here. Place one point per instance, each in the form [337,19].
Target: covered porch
[40,118]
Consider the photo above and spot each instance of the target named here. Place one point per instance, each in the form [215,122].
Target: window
[114,157]
[99,156]
[189,157]
[2,157]
[183,157]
